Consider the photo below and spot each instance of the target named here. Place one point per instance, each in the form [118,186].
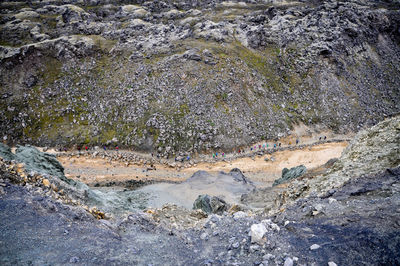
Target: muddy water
[221,185]
[261,172]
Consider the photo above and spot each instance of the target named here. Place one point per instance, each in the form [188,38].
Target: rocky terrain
[192,76]
[348,214]
[177,81]
[369,153]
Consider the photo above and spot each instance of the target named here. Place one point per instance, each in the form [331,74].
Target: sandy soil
[258,170]
[95,170]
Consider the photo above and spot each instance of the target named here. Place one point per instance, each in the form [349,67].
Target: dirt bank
[97,170]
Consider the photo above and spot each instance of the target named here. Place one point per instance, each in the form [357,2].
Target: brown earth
[97,170]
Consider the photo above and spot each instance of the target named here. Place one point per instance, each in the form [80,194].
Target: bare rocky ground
[181,77]
[348,214]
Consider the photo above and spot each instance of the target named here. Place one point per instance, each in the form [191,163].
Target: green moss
[89,8]
[222,96]
[294,105]
[51,71]
[153,59]
[276,108]
[184,109]
[6,43]
[211,123]
[107,135]
[139,133]
[125,24]
[50,20]
[155,132]
[263,62]
[226,13]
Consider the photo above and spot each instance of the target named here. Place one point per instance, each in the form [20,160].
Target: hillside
[192,76]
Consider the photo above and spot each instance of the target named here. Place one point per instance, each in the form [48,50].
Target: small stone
[46,182]
[234,208]
[54,187]
[286,223]
[199,214]
[239,214]
[257,232]
[254,248]
[288,262]
[74,260]
[204,236]
[271,225]
[315,213]
[314,247]
[235,245]
[331,263]
[331,200]
[268,256]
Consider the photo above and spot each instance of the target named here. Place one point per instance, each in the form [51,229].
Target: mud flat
[96,170]
[164,185]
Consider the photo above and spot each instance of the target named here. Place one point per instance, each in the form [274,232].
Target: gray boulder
[239,176]
[192,55]
[289,174]
[210,204]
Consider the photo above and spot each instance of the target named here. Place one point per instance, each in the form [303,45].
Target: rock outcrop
[371,152]
[5,152]
[210,204]
[40,162]
[289,174]
[42,169]
[238,176]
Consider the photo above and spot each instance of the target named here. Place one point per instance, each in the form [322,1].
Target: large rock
[5,152]
[40,162]
[133,11]
[239,176]
[45,164]
[72,13]
[210,204]
[370,152]
[289,174]
[27,15]
[192,55]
